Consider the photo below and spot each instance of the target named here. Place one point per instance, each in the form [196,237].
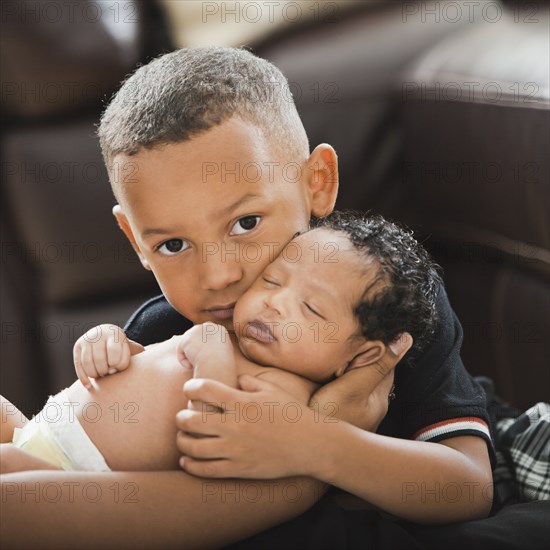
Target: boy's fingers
[394,353]
[191,421]
[207,468]
[253,384]
[198,447]
[401,345]
[386,383]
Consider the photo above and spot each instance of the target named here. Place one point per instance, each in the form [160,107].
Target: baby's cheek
[244,307]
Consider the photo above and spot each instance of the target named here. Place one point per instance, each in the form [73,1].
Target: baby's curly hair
[402,297]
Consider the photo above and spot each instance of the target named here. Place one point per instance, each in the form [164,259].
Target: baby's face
[298,315]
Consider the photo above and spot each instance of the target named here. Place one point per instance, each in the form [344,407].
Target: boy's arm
[411,479]
[415,480]
[143,509]
[419,481]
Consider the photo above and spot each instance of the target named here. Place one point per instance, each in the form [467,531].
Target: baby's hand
[207,349]
[203,345]
[103,350]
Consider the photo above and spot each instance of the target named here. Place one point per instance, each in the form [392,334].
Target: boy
[297,326]
[176,139]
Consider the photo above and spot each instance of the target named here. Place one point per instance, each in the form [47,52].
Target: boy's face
[298,315]
[207,215]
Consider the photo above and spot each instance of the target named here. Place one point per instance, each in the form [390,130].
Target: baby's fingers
[98,359]
[123,362]
[118,353]
[80,372]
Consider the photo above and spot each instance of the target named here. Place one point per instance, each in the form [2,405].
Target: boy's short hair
[182,94]
[402,296]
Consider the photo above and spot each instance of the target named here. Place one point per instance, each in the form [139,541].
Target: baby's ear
[369,354]
[124,224]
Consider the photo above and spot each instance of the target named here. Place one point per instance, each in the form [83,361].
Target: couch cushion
[56,185]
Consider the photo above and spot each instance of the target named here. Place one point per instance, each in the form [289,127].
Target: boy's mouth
[222,311]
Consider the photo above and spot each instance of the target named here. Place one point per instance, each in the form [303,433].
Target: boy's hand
[234,442]
[283,435]
[360,396]
[103,350]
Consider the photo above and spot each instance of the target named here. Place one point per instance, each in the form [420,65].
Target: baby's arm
[130,417]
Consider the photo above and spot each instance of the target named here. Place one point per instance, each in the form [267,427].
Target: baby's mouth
[259,331]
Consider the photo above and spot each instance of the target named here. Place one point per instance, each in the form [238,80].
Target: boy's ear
[124,224]
[368,355]
[322,174]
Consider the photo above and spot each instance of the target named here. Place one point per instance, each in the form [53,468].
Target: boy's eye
[172,247]
[243,225]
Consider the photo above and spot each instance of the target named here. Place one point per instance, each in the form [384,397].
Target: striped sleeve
[454,427]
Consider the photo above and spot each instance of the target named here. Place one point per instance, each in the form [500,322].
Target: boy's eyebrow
[152,232]
[243,200]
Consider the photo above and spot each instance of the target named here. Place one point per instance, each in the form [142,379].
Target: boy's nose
[217,273]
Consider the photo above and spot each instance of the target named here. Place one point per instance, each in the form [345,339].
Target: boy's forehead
[234,152]
[206,183]
[233,138]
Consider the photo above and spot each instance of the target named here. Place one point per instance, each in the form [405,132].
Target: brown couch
[439,122]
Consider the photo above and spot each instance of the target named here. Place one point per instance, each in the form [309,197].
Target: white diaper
[56,435]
